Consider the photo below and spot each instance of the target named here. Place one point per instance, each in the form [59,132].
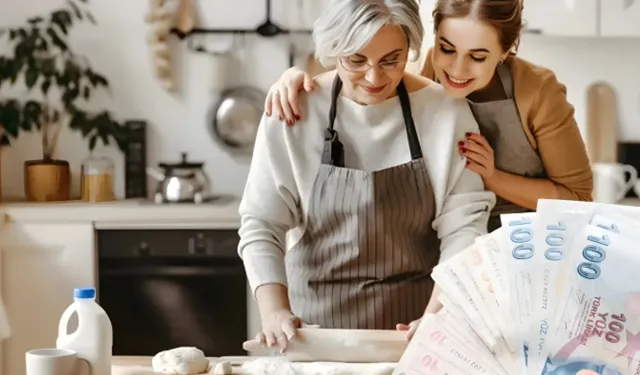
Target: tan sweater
[547,119]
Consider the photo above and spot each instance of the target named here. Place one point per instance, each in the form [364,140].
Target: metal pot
[237,113]
[236,117]
[180,182]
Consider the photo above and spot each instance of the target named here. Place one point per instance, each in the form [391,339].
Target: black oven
[168,288]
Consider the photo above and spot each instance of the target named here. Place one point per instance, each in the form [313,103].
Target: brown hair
[503,15]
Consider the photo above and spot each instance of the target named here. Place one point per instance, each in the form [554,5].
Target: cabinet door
[40,264]
[620,18]
[561,17]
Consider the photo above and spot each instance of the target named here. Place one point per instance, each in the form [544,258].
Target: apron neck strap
[506,79]
[330,135]
[412,134]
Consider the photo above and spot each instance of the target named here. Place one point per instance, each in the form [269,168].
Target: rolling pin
[339,345]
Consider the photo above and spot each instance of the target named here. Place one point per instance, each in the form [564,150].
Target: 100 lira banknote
[598,324]
[518,236]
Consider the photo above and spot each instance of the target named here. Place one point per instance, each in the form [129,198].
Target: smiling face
[372,75]
[465,55]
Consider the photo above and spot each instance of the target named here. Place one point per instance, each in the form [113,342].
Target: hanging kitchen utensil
[185,16]
[602,123]
[237,115]
[295,39]
[268,28]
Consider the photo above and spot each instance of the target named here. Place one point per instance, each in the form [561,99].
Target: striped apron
[500,123]
[365,259]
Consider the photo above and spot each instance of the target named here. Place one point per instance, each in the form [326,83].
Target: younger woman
[529,146]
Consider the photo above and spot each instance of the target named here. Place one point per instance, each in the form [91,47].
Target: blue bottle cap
[84,293]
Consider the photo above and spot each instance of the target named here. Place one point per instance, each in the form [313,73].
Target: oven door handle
[166,270]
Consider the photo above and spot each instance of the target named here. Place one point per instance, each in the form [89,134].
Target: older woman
[529,146]
[370,187]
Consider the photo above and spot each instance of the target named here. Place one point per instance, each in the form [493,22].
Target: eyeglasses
[360,65]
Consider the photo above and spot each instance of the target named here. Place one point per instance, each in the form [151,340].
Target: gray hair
[347,26]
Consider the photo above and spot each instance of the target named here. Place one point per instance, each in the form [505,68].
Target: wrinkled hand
[479,154]
[282,98]
[410,328]
[278,327]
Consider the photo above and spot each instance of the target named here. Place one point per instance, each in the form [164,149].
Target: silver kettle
[180,182]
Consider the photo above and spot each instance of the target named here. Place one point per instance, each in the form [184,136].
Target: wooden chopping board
[602,123]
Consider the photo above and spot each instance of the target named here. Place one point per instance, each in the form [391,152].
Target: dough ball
[223,368]
[181,361]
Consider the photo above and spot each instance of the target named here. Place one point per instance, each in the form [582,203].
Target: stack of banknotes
[556,291]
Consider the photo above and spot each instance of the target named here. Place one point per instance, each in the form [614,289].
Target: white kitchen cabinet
[562,17]
[620,18]
[40,264]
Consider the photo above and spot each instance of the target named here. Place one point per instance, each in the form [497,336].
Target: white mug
[610,183]
[53,362]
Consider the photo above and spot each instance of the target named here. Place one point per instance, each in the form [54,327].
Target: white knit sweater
[286,160]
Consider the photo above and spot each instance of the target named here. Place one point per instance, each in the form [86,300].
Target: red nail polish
[461,143]
[297,117]
[468,162]
[280,118]
[467,134]
[290,122]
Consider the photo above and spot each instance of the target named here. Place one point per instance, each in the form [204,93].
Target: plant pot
[47,180]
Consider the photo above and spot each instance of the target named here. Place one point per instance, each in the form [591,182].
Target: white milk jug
[93,340]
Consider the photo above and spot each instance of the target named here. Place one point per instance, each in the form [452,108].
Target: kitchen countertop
[142,366]
[132,365]
[141,213]
[126,214]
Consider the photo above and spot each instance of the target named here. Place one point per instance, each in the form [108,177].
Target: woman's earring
[501,62]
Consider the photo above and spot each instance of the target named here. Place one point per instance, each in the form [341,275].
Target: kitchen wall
[179,123]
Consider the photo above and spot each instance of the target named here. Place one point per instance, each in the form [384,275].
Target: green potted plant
[55,85]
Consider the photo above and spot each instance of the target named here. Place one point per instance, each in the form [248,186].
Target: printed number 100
[556,241]
[521,237]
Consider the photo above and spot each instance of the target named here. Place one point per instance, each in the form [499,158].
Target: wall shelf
[267,29]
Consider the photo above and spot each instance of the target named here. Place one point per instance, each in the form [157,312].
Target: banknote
[443,349]
[463,333]
[598,322]
[467,266]
[421,359]
[493,266]
[555,226]
[517,234]
[511,362]
[451,285]
[617,222]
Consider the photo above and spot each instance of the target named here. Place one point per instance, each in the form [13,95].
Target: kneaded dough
[281,366]
[181,361]
[223,368]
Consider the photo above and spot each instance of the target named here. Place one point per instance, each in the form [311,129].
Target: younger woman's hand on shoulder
[479,154]
[282,98]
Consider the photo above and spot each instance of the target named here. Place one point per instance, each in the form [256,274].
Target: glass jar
[97,179]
